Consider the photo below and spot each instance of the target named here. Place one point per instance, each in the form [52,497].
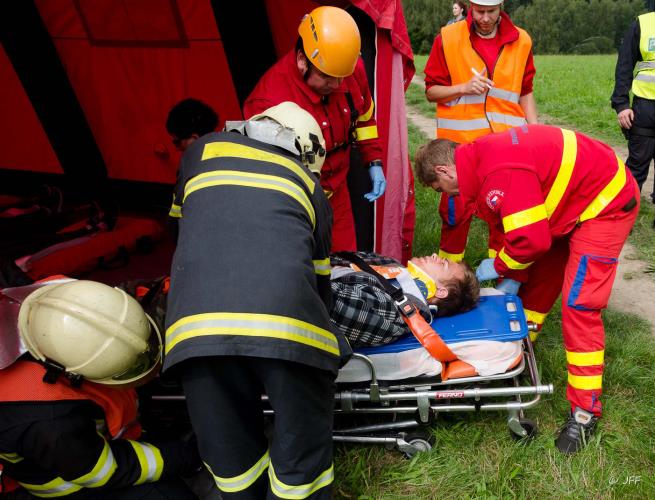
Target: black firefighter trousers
[641,148]
[223,395]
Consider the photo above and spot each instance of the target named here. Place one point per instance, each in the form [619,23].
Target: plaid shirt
[363,311]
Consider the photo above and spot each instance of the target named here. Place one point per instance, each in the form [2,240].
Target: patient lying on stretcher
[368,316]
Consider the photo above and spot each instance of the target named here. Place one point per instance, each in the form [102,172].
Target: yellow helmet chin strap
[429,288]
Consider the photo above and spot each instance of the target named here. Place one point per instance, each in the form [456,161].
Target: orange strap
[428,337]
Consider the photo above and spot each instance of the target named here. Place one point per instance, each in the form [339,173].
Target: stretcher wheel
[419,442]
[529,426]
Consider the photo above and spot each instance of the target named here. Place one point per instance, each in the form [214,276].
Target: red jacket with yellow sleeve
[539,182]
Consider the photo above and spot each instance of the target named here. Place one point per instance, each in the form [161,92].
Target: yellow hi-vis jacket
[643,84]
[468,117]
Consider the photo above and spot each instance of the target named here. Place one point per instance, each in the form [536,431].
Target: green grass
[474,457]
[576,90]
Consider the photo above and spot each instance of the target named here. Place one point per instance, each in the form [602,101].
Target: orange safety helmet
[331,40]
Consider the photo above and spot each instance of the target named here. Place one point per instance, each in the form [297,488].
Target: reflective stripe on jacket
[250,275]
[468,117]
[643,84]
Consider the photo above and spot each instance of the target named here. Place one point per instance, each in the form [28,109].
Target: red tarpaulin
[128,62]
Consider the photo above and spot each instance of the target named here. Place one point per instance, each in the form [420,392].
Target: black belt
[630,205]
[646,132]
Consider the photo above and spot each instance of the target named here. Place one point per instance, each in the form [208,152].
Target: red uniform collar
[507,32]
[298,81]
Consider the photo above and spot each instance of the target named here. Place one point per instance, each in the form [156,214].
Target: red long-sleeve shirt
[518,179]
[283,82]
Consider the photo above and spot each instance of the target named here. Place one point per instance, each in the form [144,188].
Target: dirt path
[633,289]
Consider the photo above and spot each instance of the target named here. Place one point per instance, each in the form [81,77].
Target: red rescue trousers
[583,266]
[344,238]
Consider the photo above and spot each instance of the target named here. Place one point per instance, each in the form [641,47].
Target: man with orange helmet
[325,75]
[565,205]
[69,353]
[479,74]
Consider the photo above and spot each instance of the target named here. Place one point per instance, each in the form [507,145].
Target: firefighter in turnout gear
[565,204]
[325,75]
[480,74]
[68,421]
[248,305]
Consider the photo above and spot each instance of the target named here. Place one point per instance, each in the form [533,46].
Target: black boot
[576,431]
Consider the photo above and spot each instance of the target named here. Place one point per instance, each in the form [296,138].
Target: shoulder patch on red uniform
[494,198]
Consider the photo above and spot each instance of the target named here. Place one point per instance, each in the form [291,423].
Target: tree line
[556,26]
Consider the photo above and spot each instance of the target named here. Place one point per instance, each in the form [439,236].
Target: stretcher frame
[425,397]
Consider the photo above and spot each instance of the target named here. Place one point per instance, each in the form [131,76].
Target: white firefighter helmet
[91,330]
[487,3]
[309,141]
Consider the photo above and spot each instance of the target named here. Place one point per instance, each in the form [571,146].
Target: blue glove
[486,270]
[378,181]
[508,286]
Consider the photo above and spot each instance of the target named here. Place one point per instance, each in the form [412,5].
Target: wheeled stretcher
[389,394]
[373,406]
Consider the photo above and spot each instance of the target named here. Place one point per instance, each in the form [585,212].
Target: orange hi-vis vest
[23,382]
[468,117]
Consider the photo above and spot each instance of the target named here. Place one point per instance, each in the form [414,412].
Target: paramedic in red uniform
[69,350]
[480,74]
[565,204]
[325,75]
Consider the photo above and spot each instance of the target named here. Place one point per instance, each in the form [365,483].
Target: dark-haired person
[189,120]
[565,204]
[325,75]
[459,12]
[367,315]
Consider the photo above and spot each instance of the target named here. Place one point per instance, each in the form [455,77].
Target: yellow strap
[14,458]
[251,325]
[569,155]
[524,218]
[367,116]
[242,481]
[52,489]
[586,382]
[365,133]
[248,179]
[175,211]
[150,460]
[301,491]
[511,263]
[455,257]
[231,150]
[492,253]
[322,266]
[585,358]
[535,317]
[608,193]
[101,472]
